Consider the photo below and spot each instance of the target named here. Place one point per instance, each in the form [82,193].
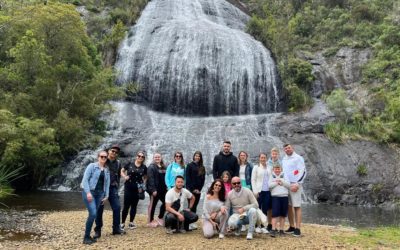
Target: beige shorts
[295,197]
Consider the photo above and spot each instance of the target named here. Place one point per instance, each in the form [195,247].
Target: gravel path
[64,230]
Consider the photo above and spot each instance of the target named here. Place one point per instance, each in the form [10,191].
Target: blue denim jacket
[91,176]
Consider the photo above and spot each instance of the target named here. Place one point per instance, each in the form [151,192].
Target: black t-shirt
[135,173]
[100,182]
[115,168]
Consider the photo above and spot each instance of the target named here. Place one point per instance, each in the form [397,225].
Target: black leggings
[153,204]
[196,202]
[131,200]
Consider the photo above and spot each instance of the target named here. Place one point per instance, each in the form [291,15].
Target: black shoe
[88,241]
[118,232]
[290,230]
[297,232]
[97,234]
[281,233]
[269,227]
[273,233]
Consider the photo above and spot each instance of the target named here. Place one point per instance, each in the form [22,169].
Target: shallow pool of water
[325,214]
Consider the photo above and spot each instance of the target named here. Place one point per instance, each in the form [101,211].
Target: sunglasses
[140,156]
[235,183]
[103,156]
[178,156]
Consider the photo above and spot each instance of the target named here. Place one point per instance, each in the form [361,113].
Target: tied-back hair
[221,194]
[202,169]
[182,164]
[228,174]
[238,158]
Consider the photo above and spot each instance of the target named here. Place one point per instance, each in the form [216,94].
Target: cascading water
[193,57]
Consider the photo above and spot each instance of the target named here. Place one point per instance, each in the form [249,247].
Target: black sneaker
[88,241]
[97,234]
[290,230]
[281,233]
[118,232]
[273,233]
[297,232]
[269,227]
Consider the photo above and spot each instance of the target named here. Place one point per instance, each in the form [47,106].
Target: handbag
[176,205]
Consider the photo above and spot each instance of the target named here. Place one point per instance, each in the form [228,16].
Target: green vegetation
[295,29]
[55,82]
[362,170]
[377,238]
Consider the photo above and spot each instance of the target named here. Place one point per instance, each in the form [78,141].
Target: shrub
[362,170]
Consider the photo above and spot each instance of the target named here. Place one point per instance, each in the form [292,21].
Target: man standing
[295,170]
[176,214]
[114,167]
[225,161]
[244,206]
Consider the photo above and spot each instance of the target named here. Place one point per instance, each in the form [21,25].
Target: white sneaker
[193,226]
[264,230]
[122,227]
[132,225]
[249,236]
[237,232]
[244,228]
[258,230]
[169,230]
[221,236]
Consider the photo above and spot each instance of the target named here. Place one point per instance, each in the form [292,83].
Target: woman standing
[96,184]
[157,189]
[215,213]
[195,177]
[245,169]
[174,169]
[259,182]
[135,175]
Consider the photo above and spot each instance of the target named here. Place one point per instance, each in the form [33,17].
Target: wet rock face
[342,70]
[353,173]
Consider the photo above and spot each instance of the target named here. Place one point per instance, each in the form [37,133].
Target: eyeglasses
[103,156]
[178,156]
[114,151]
[140,156]
[235,183]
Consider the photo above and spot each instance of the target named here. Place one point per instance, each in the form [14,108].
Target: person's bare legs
[281,223]
[297,213]
[290,216]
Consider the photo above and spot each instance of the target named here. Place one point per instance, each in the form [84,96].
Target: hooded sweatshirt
[173,170]
[223,163]
[294,168]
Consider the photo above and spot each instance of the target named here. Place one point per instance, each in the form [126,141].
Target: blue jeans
[92,209]
[115,204]
[250,219]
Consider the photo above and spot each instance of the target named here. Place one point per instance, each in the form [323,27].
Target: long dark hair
[182,164]
[202,169]
[221,194]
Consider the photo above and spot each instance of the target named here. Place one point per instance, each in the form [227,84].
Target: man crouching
[178,219]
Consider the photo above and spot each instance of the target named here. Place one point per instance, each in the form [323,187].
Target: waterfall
[194,58]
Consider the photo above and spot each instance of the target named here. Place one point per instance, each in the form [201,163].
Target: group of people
[242,197]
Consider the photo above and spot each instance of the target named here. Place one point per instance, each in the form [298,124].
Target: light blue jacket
[173,170]
[91,177]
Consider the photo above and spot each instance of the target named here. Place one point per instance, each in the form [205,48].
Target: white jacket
[257,177]
[294,168]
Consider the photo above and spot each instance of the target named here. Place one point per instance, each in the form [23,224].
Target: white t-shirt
[242,172]
[172,196]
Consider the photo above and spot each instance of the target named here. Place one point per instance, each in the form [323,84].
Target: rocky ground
[64,230]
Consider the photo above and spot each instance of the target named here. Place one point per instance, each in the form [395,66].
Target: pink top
[228,188]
